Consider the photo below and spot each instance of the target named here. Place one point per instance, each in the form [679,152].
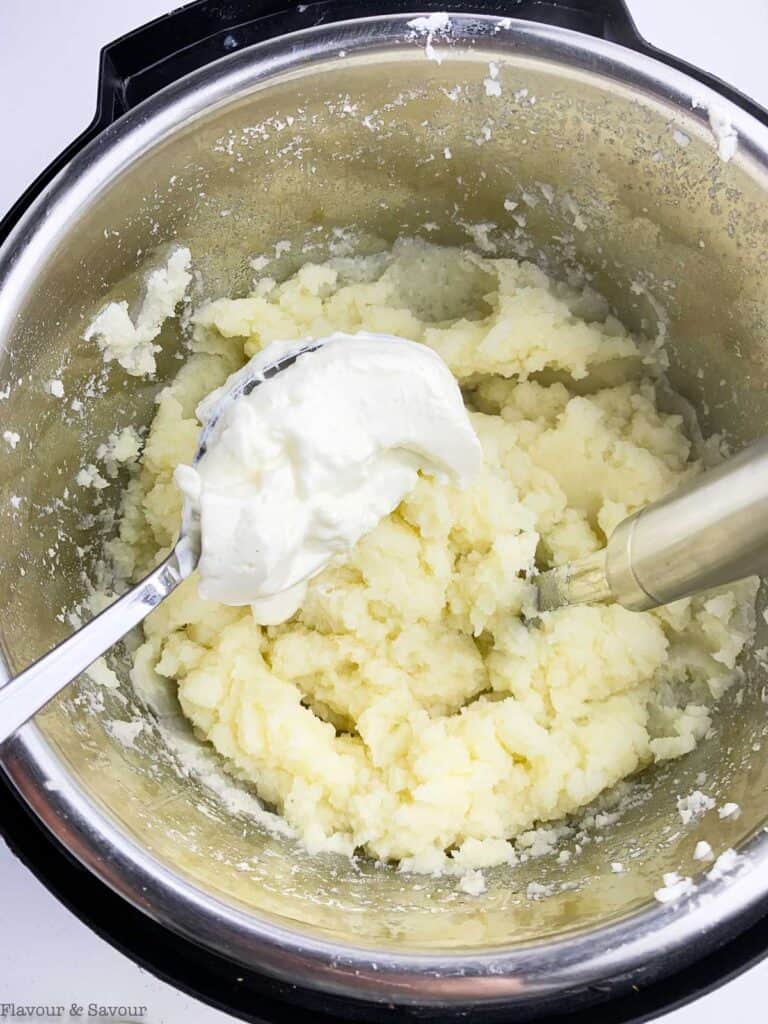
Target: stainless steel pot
[340,136]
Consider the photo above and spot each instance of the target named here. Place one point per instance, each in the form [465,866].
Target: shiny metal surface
[581,582]
[673,237]
[708,533]
[27,693]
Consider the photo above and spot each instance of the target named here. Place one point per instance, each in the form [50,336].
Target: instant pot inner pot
[344,156]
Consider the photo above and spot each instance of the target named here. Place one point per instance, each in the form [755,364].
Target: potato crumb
[89,476]
[132,343]
[473,883]
[674,888]
[693,806]
[727,862]
[703,851]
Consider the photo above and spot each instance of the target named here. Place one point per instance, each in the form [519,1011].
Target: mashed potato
[409,709]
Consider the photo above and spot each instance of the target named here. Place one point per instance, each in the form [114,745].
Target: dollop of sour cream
[299,469]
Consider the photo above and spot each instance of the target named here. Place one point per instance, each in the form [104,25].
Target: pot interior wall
[345,157]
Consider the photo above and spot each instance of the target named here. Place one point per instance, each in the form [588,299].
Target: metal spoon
[29,692]
[710,532]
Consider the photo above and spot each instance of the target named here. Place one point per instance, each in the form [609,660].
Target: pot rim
[654,940]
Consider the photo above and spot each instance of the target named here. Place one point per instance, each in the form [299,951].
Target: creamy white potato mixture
[410,709]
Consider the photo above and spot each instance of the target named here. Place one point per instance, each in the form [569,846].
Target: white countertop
[48,64]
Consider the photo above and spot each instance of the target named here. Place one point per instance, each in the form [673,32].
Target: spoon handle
[29,692]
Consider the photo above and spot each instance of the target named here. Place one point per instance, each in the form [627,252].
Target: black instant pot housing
[132,69]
